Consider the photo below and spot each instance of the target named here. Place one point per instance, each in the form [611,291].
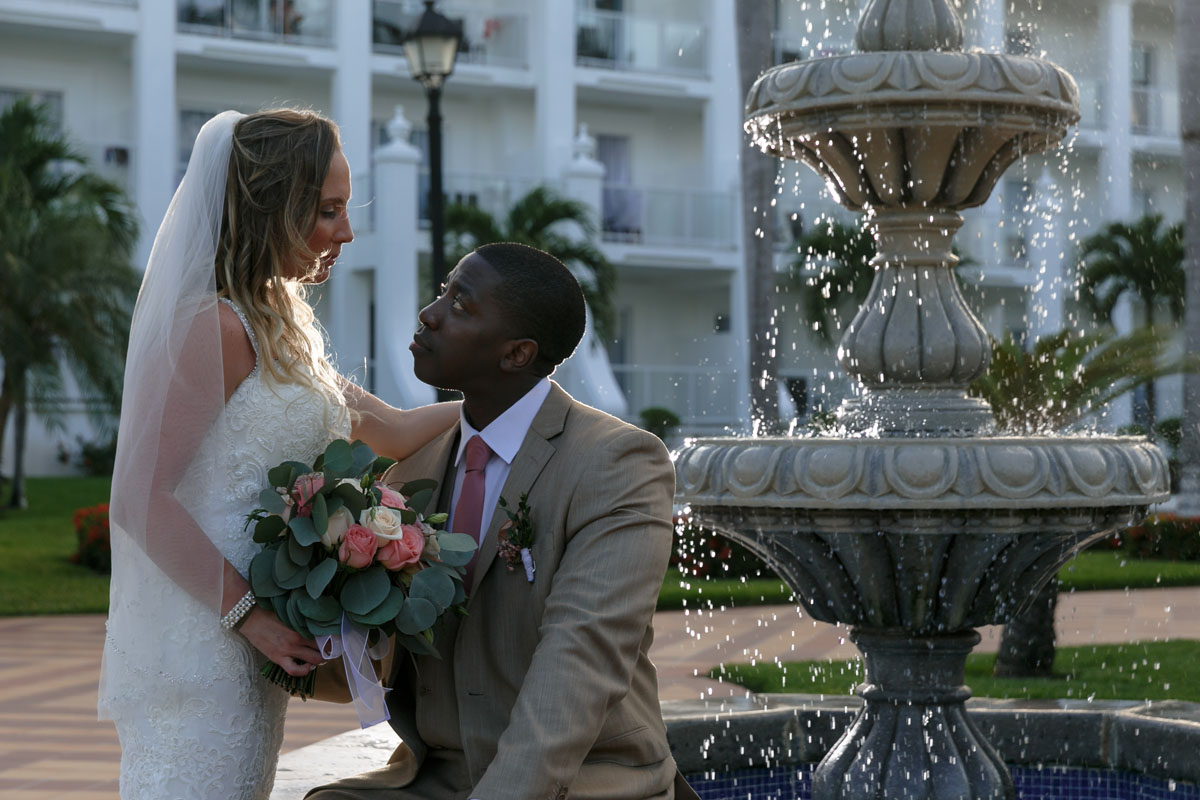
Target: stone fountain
[917,522]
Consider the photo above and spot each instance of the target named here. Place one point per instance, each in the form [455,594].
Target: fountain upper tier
[911,128]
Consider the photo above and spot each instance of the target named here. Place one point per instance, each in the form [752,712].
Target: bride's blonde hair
[272,196]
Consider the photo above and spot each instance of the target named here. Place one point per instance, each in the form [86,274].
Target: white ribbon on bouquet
[366,689]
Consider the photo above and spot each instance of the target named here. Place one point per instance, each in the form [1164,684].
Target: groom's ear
[518,355]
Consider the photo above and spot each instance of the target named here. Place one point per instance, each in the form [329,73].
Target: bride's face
[332,227]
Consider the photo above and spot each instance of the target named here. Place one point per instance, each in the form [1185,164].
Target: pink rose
[358,547]
[389,497]
[398,553]
[305,490]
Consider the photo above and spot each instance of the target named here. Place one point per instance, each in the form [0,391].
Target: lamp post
[431,48]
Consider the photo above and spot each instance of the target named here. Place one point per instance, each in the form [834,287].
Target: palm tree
[536,219]
[1141,259]
[842,254]
[65,240]
[1062,379]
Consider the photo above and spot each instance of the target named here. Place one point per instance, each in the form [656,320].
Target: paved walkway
[51,745]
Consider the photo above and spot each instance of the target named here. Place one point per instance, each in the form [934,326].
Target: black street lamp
[431,48]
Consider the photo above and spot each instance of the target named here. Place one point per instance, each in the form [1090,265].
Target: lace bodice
[195,718]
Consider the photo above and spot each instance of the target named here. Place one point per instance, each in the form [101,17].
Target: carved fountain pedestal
[918,522]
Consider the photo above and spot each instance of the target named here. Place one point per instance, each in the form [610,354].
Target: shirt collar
[506,432]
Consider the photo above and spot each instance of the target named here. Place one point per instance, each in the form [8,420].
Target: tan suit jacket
[546,688]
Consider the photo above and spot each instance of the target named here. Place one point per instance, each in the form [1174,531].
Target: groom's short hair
[541,298]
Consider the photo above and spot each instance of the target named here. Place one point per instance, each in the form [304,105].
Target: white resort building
[632,106]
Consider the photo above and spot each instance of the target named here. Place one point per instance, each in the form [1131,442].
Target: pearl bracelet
[238,613]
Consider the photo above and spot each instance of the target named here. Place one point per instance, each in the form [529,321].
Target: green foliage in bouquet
[337,542]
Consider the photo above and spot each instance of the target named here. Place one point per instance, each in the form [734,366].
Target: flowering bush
[340,548]
[91,531]
[1163,536]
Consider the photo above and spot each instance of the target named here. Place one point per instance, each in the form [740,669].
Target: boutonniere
[516,537]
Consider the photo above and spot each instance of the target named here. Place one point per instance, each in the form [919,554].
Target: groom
[545,687]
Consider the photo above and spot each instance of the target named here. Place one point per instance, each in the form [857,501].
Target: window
[52,101]
[1143,103]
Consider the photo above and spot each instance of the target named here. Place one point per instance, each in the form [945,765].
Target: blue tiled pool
[1047,783]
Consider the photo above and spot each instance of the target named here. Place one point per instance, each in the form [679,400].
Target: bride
[225,377]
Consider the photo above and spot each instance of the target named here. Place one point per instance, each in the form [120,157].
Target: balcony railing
[261,20]
[490,36]
[1154,112]
[667,217]
[701,396]
[612,40]
[494,194]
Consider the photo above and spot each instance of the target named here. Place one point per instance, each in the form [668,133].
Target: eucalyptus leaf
[302,529]
[320,576]
[262,574]
[455,558]
[420,499]
[381,465]
[387,610]
[330,629]
[325,610]
[332,504]
[414,486]
[338,460]
[279,603]
[419,645]
[268,529]
[435,586]
[272,501]
[417,615]
[356,502]
[320,514]
[300,554]
[459,542]
[364,591]
[295,617]
[407,516]
[288,574]
[362,457]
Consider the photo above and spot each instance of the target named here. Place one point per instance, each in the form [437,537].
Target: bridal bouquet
[346,557]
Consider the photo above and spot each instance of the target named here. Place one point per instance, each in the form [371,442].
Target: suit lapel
[536,450]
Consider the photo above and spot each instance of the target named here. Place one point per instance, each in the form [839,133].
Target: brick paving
[52,746]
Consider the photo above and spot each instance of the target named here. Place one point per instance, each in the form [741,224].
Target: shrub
[659,421]
[1162,536]
[91,532]
[699,553]
[97,457]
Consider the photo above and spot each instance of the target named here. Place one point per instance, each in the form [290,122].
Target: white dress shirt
[504,436]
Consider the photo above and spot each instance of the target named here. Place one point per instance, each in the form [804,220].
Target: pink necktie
[468,512]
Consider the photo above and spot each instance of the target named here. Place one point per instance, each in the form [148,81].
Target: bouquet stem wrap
[366,689]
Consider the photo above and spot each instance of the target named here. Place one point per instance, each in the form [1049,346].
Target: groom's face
[463,333]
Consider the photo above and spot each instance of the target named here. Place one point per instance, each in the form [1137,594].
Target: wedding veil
[174,388]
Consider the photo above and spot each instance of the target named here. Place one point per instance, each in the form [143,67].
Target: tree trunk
[755,22]
[6,401]
[17,498]
[1027,643]
[1187,25]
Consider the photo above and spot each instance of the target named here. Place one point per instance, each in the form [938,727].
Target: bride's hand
[298,656]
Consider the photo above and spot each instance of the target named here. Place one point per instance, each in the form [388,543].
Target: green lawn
[1138,671]
[35,576]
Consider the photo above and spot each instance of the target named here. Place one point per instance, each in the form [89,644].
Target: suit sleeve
[601,602]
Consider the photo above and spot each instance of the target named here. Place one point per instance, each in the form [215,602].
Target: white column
[396,293]
[350,100]
[1116,159]
[587,374]
[155,119]
[991,25]
[552,52]
[1046,254]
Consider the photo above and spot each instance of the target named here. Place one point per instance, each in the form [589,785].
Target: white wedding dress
[196,719]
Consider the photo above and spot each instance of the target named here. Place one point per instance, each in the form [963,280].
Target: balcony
[258,20]
[612,40]
[1154,112]
[494,194]
[492,37]
[702,397]
[671,217]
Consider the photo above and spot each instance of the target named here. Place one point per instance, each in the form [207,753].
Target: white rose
[382,521]
[350,482]
[339,522]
